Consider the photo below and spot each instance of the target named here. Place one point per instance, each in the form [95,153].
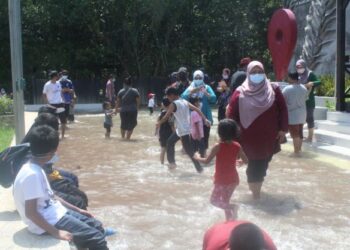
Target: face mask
[198,83]
[300,71]
[54,159]
[257,78]
[64,77]
[225,77]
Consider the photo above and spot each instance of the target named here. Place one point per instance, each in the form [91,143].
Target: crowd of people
[254,115]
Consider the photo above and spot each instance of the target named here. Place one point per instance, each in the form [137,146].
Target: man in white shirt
[52,93]
[44,212]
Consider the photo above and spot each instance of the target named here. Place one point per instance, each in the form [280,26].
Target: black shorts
[62,116]
[128,120]
[106,125]
[163,138]
[256,170]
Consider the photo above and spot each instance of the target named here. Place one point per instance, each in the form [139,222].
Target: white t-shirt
[182,117]
[53,91]
[31,183]
[295,96]
[151,103]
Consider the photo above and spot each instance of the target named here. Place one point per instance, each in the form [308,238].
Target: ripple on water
[304,205]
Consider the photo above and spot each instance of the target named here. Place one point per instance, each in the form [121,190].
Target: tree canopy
[143,37]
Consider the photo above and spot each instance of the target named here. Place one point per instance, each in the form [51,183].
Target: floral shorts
[221,195]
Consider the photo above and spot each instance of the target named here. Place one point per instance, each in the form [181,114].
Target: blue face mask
[54,159]
[198,83]
[257,78]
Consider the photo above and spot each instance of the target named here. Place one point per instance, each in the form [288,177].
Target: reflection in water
[305,203]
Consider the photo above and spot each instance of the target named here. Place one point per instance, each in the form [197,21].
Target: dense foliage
[144,38]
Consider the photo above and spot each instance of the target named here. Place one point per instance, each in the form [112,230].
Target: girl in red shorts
[226,178]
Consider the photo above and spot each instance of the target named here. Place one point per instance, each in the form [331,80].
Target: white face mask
[300,71]
[225,77]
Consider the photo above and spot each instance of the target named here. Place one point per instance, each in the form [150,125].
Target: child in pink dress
[197,132]
[226,178]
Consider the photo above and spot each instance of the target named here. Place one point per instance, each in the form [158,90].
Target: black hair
[128,80]
[294,76]
[43,139]
[228,130]
[193,100]
[47,119]
[53,73]
[104,104]
[46,109]
[166,102]
[172,91]
[173,77]
[247,236]
[64,72]
[182,76]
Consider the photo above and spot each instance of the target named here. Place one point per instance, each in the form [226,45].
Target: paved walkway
[13,232]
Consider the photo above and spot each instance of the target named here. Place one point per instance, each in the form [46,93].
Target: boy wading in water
[226,178]
[295,95]
[181,110]
[41,210]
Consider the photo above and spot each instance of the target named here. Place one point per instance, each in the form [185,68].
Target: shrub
[6,105]
[327,87]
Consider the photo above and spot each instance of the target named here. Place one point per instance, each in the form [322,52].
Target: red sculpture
[282,37]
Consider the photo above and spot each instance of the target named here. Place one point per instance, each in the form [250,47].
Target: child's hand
[207,123]
[196,156]
[63,235]
[86,213]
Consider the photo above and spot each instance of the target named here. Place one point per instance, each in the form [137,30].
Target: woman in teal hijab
[206,96]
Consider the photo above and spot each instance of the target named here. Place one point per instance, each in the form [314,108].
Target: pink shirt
[197,132]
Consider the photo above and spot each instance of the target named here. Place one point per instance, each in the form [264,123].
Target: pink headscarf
[254,99]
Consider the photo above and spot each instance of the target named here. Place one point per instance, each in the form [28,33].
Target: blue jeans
[69,176]
[87,232]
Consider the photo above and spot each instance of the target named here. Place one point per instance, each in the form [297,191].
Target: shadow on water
[275,204]
[25,239]
[9,216]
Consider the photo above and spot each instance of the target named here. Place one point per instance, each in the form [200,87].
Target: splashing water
[305,202]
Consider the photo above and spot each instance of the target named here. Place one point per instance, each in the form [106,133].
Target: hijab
[201,85]
[254,100]
[303,78]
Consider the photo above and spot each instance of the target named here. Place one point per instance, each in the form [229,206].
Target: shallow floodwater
[305,202]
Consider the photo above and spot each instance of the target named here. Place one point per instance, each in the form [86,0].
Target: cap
[150,95]
[245,61]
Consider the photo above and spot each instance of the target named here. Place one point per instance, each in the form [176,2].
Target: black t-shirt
[165,128]
[128,99]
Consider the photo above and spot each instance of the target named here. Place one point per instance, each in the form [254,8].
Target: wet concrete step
[339,127]
[335,150]
[332,138]
[338,116]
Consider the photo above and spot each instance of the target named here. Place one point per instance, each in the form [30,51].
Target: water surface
[305,202]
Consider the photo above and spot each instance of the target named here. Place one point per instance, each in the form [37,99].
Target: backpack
[11,161]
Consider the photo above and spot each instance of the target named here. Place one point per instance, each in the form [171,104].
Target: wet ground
[305,202]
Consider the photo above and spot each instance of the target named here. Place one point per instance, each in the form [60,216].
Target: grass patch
[6,134]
